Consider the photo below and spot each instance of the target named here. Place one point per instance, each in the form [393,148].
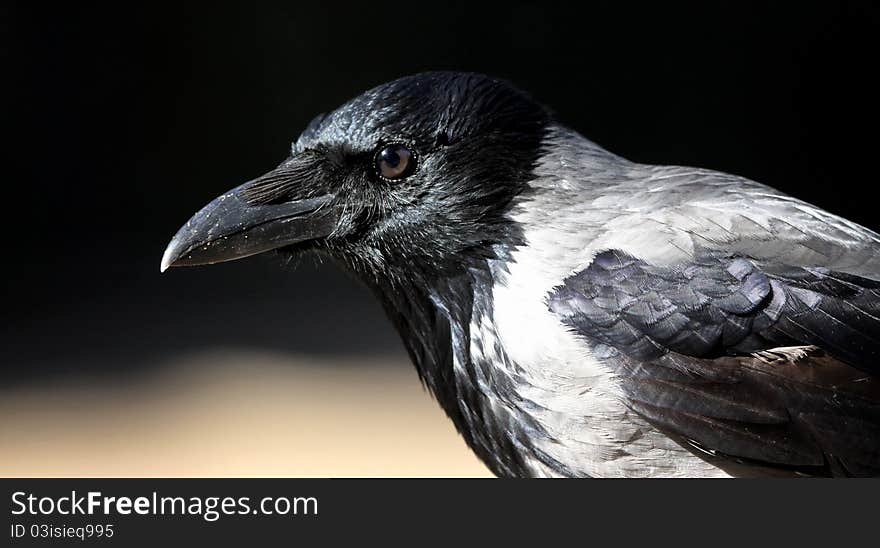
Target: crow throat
[433,307]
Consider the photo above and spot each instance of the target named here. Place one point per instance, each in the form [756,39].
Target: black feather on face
[469,143]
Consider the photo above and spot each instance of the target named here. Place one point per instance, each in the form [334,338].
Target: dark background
[123,121]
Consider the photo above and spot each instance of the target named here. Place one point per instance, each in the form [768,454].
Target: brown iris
[395,162]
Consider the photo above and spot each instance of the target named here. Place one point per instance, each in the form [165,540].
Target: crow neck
[434,311]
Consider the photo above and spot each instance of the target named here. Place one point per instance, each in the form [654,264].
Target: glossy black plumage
[683,342]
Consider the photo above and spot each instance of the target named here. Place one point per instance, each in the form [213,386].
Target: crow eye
[394,162]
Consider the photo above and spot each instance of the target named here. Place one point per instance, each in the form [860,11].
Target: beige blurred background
[234,413]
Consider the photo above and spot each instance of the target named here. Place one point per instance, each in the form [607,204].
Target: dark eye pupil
[391,157]
[395,162]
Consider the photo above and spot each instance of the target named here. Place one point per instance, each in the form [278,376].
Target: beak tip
[228,228]
[168,257]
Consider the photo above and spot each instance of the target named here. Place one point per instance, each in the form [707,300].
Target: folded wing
[758,365]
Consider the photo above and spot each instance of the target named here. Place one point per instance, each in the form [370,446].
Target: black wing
[690,345]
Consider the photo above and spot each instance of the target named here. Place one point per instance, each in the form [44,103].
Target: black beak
[230,228]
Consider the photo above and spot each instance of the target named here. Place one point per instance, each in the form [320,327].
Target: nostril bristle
[295,178]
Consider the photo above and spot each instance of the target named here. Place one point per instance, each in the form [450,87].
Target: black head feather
[476,138]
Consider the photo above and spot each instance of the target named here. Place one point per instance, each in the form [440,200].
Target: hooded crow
[573,312]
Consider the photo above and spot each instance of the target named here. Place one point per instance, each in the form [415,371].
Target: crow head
[419,171]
